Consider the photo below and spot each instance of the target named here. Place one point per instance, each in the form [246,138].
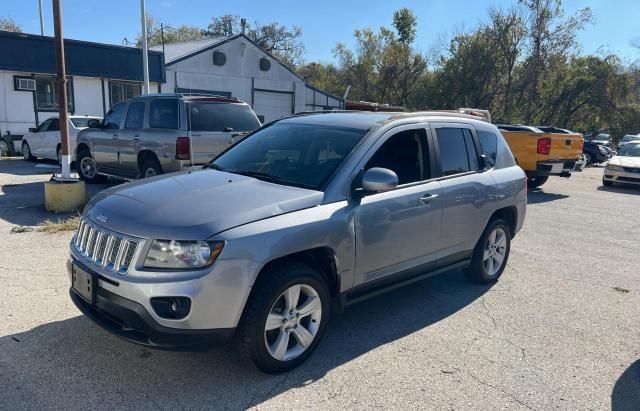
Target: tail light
[544,145]
[183,148]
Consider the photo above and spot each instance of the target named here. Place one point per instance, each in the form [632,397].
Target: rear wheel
[150,167]
[285,317]
[88,168]
[491,253]
[26,152]
[59,155]
[535,182]
[587,159]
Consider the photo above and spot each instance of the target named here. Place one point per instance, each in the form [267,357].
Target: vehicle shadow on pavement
[621,189]
[626,392]
[74,362]
[537,196]
[19,167]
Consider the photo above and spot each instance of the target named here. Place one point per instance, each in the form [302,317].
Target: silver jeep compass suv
[307,213]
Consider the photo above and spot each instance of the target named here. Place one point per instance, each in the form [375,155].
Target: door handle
[136,137]
[428,198]
[115,136]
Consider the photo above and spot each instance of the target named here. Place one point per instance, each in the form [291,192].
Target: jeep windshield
[301,155]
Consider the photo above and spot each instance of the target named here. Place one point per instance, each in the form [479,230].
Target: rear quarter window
[217,116]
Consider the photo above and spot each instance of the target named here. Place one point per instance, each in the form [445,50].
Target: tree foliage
[524,64]
[155,34]
[275,38]
[8,24]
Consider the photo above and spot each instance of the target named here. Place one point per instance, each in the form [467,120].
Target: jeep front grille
[105,248]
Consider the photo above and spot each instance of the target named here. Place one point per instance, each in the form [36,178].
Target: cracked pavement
[559,330]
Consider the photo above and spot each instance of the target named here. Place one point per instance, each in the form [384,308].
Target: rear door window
[163,113]
[135,116]
[454,158]
[114,116]
[218,116]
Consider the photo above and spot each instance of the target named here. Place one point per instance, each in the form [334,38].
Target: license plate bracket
[83,283]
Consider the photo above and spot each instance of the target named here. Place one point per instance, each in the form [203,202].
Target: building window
[123,90]
[47,94]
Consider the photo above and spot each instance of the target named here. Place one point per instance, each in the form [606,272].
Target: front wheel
[535,182]
[285,317]
[26,152]
[607,183]
[88,168]
[491,253]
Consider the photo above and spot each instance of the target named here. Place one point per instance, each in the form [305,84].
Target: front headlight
[613,167]
[174,254]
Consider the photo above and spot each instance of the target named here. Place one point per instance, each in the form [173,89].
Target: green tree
[171,34]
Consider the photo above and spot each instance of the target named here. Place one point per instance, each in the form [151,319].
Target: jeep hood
[195,205]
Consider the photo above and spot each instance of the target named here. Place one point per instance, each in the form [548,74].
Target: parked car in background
[627,139]
[596,153]
[161,133]
[602,139]
[44,141]
[309,213]
[543,154]
[624,167]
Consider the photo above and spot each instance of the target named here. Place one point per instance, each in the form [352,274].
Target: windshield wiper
[259,175]
[213,166]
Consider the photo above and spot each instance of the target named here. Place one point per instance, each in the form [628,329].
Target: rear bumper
[131,321]
[554,168]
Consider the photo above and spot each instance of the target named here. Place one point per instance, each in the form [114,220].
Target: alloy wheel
[26,153]
[293,322]
[88,167]
[495,251]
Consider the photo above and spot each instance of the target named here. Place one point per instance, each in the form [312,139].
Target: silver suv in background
[161,133]
[308,213]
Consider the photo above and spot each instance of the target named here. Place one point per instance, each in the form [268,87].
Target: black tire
[150,167]
[267,292]
[535,182]
[607,183]
[83,158]
[26,152]
[587,159]
[59,155]
[477,271]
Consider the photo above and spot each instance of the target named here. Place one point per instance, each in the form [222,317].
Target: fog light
[174,308]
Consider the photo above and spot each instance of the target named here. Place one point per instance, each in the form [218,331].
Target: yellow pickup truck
[542,154]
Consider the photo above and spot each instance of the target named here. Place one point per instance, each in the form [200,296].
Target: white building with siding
[236,66]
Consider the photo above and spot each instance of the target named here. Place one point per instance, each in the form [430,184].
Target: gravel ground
[559,330]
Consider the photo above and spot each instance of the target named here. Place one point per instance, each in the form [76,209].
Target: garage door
[271,105]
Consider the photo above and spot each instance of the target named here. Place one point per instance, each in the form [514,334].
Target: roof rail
[476,112]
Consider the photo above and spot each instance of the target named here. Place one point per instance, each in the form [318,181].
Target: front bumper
[131,321]
[626,177]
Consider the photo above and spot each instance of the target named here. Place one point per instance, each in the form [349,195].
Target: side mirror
[378,180]
[93,123]
[32,129]
[228,129]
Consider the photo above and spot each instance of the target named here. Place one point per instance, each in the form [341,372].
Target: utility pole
[145,51]
[41,18]
[62,89]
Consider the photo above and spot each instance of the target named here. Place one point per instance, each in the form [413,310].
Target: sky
[323,22]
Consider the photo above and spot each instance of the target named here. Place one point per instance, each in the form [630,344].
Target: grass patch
[51,227]
[20,229]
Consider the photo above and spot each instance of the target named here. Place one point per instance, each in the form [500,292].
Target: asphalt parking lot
[559,330]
